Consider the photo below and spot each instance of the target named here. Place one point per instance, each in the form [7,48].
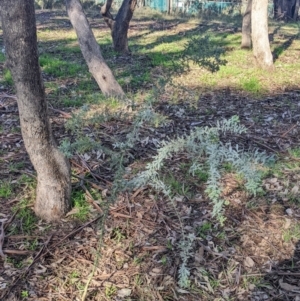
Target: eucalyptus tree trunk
[286,9]
[120,25]
[53,170]
[260,34]
[91,51]
[246,27]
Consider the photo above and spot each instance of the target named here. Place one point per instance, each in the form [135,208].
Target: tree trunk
[119,26]
[286,9]
[260,35]
[277,9]
[91,51]
[295,10]
[53,170]
[246,27]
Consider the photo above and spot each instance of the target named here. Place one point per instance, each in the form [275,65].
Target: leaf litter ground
[133,253]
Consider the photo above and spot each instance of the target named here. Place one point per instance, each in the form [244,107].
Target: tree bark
[91,51]
[120,25]
[246,27]
[260,35]
[286,9]
[295,10]
[53,170]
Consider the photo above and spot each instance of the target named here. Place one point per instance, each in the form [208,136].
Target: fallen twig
[43,253]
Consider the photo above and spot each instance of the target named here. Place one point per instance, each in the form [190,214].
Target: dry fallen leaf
[295,190]
[73,211]
[248,262]
[289,287]
[124,292]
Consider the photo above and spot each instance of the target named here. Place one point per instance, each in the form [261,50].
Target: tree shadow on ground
[281,47]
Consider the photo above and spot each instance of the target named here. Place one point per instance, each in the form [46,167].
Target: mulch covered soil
[131,251]
[134,252]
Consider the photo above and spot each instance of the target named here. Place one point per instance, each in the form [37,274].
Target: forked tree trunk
[53,171]
[260,35]
[91,51]
[246,27]
[120,25]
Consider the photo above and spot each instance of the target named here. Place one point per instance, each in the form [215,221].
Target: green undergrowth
[6,189]
[81,207]
[59,68]
[26,217]
[7,78]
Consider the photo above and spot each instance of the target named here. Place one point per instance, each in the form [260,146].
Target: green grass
[202,175]
[177,187]
[6,189]
[204,229]
[251,85]
[16,166]
[295,152]
[80,205]
[2,57]
[28,220]
[292,234]
[60,68]
[7,78]
[110,291]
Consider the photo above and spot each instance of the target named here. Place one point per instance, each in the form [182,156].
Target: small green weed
[5,189]
[16,166]
[25,179]
[24,294]
[202,175]
[110,291]
[204,229]
[251,85]
[251,280]
[15,262]
[169,245]
[80,205]
[7,78]
[2,57]
[164,260]
[295,152]
[117,234]
[73,277]
[26,215]
[137,260]
[228,167]
[177,187]
[32,245]
[292,234]
[74,274]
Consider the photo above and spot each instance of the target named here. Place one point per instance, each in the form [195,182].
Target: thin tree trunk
[296,10]
[246,27]
[260,35]
[120,25]
[53,171]
[91,51]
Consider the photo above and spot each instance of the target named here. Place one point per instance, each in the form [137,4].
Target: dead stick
[41,254]
[291,128]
